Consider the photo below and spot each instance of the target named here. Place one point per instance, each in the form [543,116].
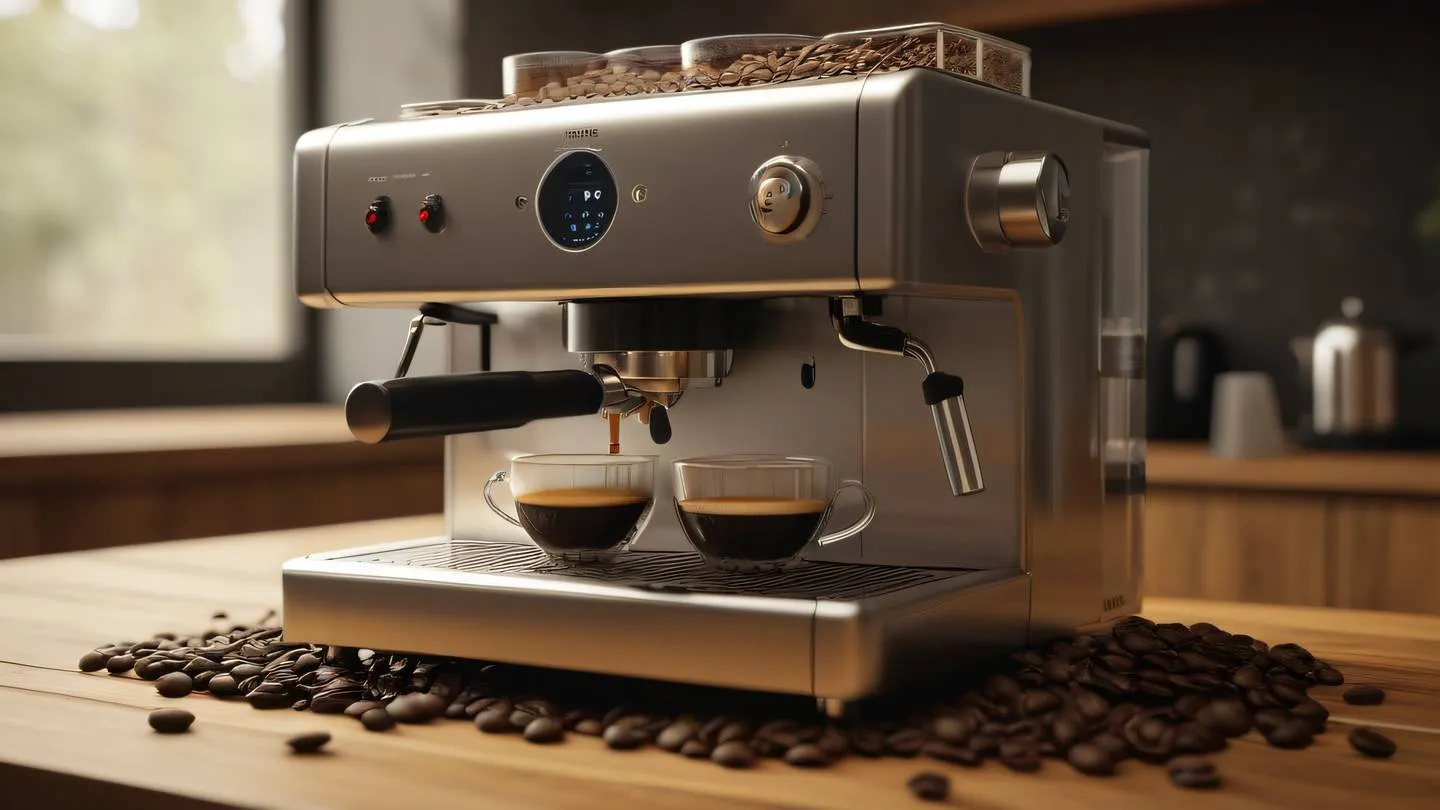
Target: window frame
[39,385]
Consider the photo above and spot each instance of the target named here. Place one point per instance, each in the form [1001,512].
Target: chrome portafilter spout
[944,393]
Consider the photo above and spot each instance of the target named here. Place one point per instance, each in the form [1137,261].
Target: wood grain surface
[68,739]
[1189,464]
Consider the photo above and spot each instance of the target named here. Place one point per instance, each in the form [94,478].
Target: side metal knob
[786,198]
[1018,199]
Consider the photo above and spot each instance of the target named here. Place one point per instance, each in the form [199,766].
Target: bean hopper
[876,248]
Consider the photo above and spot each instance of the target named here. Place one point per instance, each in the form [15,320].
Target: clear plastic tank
[545,75]
[652,68]
[1123,313]
[992,60]
[745,59]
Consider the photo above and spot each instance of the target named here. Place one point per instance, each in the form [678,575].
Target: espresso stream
[581,519]
[751,528]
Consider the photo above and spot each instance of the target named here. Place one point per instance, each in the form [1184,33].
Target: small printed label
[585,132]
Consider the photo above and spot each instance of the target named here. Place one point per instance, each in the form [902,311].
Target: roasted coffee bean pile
[1159,694]
[601,82]
[810,61]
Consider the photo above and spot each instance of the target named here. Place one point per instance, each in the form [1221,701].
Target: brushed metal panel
[308,237]
[694,153]
[913,235]
[745,642]
[920,522]
[877,645]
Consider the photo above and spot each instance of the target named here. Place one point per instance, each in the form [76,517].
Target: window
[144,198]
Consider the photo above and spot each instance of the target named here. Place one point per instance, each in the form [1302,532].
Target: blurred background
[158,379]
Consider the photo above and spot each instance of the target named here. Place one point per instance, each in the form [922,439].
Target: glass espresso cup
[759,512]
[578,507]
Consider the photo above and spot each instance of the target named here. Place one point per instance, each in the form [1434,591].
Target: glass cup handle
[859,525]
[501,477]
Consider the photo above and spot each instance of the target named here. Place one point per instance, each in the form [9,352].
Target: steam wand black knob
[660,431]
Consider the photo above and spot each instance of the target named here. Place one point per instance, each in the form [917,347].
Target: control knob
[1018,199]
[786,198]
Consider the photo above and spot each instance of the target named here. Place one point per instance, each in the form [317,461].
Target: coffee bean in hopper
[171,721]
[1371,743]
[1355,695]
[174,685]
[308,743]
[1194,772]
[931,787]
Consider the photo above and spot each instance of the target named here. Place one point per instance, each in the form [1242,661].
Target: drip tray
[674,571]
[829,629]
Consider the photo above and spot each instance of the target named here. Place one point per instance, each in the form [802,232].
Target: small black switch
[377,216]
[432,214]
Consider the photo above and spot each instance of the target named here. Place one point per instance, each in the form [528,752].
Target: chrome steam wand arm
[944,393]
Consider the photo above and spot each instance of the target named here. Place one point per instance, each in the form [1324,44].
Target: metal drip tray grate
[664,570]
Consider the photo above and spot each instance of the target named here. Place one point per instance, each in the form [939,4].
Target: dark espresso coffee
[741,528]
[580,519]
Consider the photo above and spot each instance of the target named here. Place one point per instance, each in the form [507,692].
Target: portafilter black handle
[445,404]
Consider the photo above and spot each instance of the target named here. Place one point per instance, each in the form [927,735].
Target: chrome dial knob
[1018,199]
[786,198]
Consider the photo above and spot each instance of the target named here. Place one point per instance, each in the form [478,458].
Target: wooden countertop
[1182,464]
[80,444]
[68,738]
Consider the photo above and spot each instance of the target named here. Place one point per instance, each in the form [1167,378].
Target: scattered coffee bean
[1227,717]
[171,721]
[1371,743]
[590,726]
[1196,738]
[1312,712]
[807,755]
[120,664]
[675,735]
[868,742]
[1091,759]
[416,707]
[930,787]
[906,742]
[1293,733]
[377,719]
[695,749]
[733,754]
[174,685]
[953,754]
[308,743]
[1358,695]
[1194,772]
[626,738]
[494,721]
[93,661]
[545,730]
[222,686]
[1328,676]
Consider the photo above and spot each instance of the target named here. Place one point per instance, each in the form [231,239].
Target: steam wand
[944,393]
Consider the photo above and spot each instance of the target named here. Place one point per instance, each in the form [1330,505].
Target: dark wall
[1292,156]
[1293,151]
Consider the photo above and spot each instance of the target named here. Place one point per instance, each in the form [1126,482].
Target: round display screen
[577,201]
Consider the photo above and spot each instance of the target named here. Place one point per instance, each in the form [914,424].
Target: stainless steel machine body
[1002,238]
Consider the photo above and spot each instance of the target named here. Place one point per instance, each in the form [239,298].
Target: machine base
[833,630]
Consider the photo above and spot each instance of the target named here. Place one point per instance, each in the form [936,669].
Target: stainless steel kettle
[1351,368]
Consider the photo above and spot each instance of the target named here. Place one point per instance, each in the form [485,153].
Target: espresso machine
[935,283]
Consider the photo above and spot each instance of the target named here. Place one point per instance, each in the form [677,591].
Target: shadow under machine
[807,266]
